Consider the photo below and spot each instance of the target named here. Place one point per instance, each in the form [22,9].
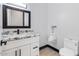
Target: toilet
[71,48]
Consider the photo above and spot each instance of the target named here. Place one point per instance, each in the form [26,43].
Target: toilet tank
[72,44]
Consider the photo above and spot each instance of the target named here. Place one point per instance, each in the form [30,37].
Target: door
[11,52]
[24,50]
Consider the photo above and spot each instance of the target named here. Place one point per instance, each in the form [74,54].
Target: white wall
[39,23]
[66,17]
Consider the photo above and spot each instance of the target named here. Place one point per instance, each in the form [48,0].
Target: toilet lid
[66,52]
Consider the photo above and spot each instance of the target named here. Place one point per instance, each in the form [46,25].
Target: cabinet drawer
[23,42]
[35,48]
[35,39]
[16,43]
[9,45]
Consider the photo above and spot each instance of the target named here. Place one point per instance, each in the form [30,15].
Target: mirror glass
[26,21]
[14,18]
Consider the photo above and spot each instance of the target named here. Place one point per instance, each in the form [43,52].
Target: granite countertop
[18,36]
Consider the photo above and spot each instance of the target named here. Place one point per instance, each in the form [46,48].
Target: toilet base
[66,52]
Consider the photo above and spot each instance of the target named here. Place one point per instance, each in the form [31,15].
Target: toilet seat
[66,52]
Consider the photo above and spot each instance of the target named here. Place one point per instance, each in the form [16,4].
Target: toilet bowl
[70,48]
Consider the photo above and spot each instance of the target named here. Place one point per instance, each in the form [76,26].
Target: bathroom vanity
[20,45]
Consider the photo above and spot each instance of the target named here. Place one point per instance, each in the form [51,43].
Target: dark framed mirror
[16,18]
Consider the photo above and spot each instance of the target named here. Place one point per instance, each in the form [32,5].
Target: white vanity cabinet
[22,47]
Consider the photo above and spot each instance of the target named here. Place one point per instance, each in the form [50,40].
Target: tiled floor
[48,52]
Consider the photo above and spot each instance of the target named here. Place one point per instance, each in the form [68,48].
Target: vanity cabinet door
[24,50]
[11,52]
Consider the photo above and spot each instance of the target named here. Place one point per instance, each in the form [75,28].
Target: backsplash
[14,31]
